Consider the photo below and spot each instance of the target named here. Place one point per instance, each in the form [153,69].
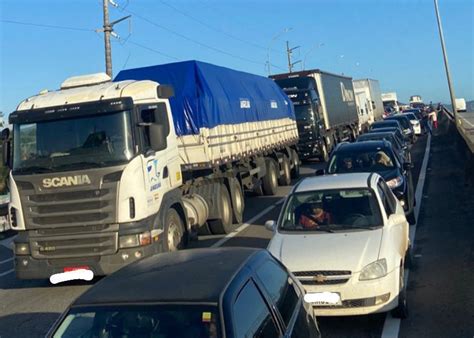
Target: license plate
[323,298]
[72,274]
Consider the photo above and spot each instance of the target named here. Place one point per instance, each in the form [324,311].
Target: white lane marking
[246,224]
[6,272]
[6,260]
[391,327]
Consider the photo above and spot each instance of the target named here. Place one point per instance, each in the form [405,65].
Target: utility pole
[446,65]
[289,52]
[107,31]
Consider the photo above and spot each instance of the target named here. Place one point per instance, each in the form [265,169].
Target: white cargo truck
[390,101]
[325,110]
[104,173]
[369,102]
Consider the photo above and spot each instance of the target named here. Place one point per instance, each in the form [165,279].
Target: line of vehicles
[105,173]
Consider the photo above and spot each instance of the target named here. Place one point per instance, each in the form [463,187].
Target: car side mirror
[270,225]
[6,147]
[165,91]
[320,172]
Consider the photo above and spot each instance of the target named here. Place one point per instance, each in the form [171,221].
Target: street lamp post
[276,36]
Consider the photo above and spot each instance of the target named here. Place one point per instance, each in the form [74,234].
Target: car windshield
[331,210]
[411,116]
[367,160]
[163,321]
[402,120]
[376,137]
[91,141]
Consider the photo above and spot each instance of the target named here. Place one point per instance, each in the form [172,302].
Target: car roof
[195,276]
[365,145]
[385,129]
[396,117]
[378,133]
[377,123]
[336,181]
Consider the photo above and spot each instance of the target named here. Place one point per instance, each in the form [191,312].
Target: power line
[47,26]
[191,39]
[152,50]
[216,29]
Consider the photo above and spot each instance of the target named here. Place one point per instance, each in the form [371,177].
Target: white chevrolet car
[414,122]
[346,238]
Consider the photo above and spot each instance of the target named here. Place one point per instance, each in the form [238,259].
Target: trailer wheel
[238,201]
[285,179]
[295,172]
[174,231]
[270,180]
[223,225]
[324,153]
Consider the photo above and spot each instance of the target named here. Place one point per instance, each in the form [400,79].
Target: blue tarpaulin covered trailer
[207,95]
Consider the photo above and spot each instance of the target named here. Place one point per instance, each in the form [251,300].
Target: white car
[414,122]
[346,238]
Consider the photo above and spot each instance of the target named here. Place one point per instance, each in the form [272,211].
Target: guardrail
[464,126]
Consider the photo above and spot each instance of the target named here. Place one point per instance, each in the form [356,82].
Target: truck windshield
[85,142]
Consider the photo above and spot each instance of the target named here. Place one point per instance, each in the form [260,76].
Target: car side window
[385,201]
[390,196]
[280,287]
[252,317]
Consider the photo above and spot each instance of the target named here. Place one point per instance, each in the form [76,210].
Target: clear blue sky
[394,41]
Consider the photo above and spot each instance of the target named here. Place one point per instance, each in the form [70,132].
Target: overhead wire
[47,26]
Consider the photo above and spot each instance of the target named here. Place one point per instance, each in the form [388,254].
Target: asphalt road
[28,308]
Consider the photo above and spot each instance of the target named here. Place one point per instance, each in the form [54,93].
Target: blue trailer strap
[207,95]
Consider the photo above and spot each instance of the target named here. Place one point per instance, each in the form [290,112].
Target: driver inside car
[315,216]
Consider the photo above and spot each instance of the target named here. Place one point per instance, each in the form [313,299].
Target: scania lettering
[325,110]
[106,172]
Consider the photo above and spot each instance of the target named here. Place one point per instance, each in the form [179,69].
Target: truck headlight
[130,241]
[22,249]
[395,182]
[374,270]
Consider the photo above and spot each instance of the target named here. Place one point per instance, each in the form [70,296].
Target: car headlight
[395,182]
[374,270]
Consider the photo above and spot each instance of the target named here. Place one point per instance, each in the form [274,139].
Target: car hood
[327,251]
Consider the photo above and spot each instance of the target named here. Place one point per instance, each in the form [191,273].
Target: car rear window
[164,321]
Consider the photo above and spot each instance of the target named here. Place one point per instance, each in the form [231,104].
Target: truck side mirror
[165,91]
[6,147]
[158,136]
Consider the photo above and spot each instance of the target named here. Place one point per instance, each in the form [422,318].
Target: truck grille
[83,245]
[44,209]
[323,277]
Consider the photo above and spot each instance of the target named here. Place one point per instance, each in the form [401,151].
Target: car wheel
[411,218]
[408,262]
[401,311]
[285,178]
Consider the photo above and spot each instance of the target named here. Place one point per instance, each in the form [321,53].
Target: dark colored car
[418,113]
[406,125]
[379,157]
[397,133]
[390,136]
[225,292]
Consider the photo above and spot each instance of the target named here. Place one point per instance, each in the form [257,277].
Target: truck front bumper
[28,267]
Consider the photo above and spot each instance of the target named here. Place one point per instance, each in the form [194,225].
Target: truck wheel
[285,179]
[224,224]
[295,172]
[174,231]
[401,311]
[270,180]
[238,201]
[324,153]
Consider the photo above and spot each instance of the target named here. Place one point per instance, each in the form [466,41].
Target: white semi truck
[390,101]
[369,102]
[104,173]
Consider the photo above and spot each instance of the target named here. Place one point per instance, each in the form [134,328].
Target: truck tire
[324,157]
[174,231]
[270,180]
[238,200]
[285,178]
[223,225]
[295,171]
